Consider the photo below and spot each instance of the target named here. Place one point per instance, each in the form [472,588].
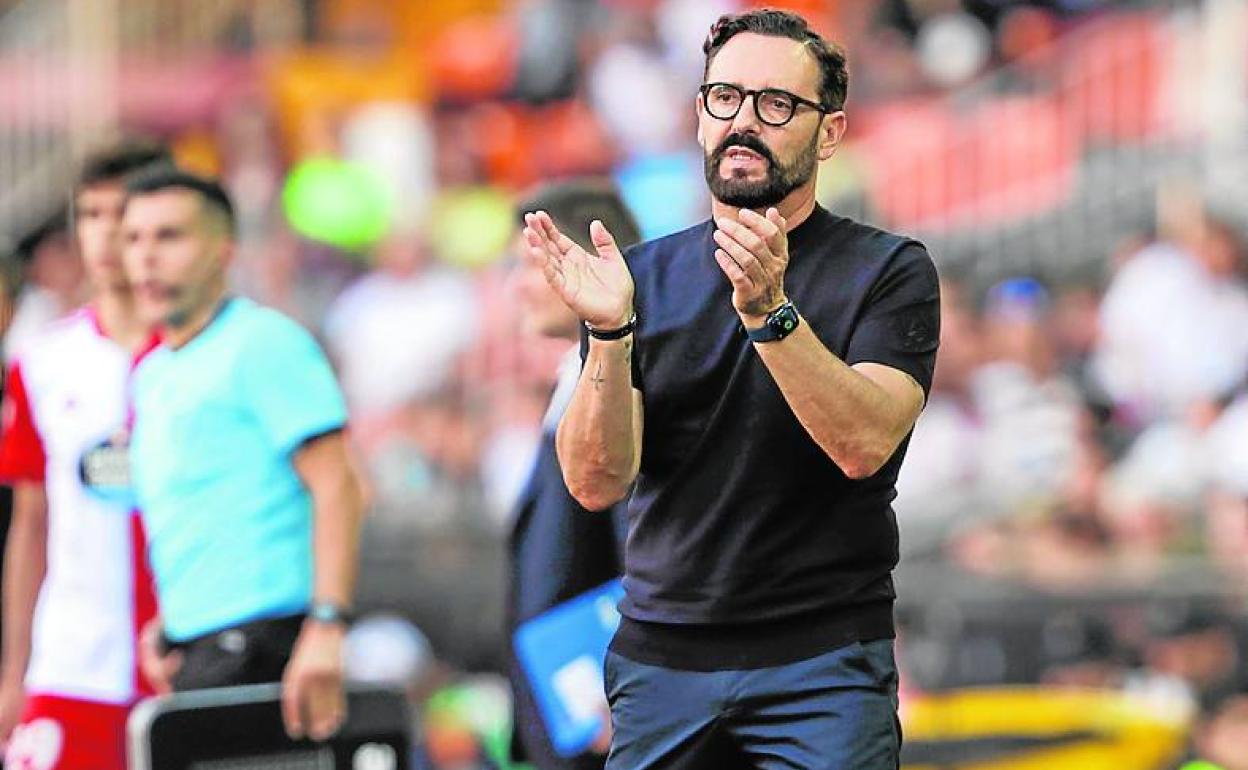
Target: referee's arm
[312,696]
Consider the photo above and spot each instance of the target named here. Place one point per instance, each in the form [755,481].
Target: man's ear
[832,131]
[697,115]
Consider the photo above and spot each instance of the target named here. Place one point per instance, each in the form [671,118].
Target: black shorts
[251,653]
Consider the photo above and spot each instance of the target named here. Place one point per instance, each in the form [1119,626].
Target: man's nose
[746,121]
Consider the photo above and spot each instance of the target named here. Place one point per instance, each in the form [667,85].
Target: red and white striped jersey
[64,422]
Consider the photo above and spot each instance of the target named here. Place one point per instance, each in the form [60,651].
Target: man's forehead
[100,191]
[171,203]
[765,61]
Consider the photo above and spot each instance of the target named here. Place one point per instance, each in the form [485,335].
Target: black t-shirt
[747,545]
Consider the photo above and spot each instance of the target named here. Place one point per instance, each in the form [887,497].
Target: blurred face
[175,253]
[748,163]
[542,312]
[97,222]
[1224,738]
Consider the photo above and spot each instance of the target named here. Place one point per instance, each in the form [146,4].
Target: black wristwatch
[780,323]
[328,612]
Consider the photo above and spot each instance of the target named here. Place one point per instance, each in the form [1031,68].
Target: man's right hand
[597,287]
[159,665]
[12,703]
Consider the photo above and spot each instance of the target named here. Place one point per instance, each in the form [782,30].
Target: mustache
[746,141]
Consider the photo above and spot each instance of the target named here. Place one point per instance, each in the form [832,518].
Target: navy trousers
[836,711]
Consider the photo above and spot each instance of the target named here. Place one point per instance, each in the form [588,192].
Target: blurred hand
[601,744]
[313,702]
[158,665]
[12,703]
[597,287]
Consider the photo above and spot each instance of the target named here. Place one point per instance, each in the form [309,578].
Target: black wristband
[613,334]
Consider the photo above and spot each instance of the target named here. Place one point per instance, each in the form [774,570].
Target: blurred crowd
[1082,433]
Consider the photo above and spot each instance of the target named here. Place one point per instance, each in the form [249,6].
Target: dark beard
[776,185]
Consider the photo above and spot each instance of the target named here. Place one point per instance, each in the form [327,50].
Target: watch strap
[780,323]
[328,612]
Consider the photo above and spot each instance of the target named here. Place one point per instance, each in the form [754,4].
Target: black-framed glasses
[773,106]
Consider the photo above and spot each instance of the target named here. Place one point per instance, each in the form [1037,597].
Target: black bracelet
[613,334]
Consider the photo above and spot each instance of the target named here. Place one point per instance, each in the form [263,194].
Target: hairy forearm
[856,422]
[598,439]
[25,564]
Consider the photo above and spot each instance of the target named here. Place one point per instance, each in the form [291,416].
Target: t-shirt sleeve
[900,324]
[290,386]
[21,448]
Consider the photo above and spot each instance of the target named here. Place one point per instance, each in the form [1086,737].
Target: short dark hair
[118,161]
[574,204]
[209,190]
[768,21]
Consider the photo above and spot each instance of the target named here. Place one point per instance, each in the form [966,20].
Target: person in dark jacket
[558,549]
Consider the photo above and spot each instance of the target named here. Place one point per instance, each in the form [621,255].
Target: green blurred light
[338,203]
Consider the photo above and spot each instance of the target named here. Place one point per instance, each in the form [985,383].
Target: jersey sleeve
[290,386]
[900,323]
[22,457]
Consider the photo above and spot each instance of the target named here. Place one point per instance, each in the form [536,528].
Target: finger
[604,242]
[736,276]
[292,704]
[566,247]
[327,709]
[761,225]
[533,232]
[169,667]
[765,228]
[743,235]
[550,232]
[744,259]
[540,245]
[773,215]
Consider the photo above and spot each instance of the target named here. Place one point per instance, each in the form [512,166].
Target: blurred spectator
[1220,737]
[558,549]
[1173,320]
[1195,643]
[397,331]
[940,481]
[1226,498]
[643,108]
[1031,412]
[54,282]
[76,584]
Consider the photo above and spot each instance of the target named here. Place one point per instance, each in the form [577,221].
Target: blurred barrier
[1046,163]
[57,67]
[959,630]
[1039,729]
[240,728]
[64,87]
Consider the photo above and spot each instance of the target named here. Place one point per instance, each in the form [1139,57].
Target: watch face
[783,320]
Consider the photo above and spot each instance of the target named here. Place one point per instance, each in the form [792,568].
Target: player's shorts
[66,734]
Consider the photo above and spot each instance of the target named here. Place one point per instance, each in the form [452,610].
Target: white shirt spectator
[1171,333]
[396,338]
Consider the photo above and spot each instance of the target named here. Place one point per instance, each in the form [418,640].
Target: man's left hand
[313,702]
[754,253]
